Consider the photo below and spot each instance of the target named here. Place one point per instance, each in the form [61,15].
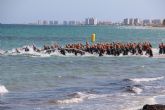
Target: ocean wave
[78,97]
[138,80]
[3,89]
[135,90]
[67,101]
[73,98]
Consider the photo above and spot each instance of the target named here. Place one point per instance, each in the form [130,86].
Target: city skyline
[95,21]
[25,11]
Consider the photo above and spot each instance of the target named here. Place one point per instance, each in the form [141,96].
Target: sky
[26,11]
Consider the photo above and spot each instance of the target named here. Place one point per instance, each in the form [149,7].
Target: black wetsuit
[62,51]
[101,52]
[26,49]
[160,50]
[150,53]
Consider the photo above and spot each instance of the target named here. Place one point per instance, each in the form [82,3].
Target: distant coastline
[147,26]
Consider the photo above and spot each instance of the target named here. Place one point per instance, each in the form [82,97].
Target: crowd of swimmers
[114,48]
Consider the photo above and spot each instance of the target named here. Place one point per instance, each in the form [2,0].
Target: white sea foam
[69,101]
[156,53]
[146,79]
[136,90]
[139,103]
[77,97]
[2,52]
[73,98]
[3,89]
[129,102]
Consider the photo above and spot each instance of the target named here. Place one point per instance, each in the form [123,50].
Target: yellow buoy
[93,37]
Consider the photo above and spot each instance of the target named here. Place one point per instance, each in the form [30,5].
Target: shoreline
[149,26]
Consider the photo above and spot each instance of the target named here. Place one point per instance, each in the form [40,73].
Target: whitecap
[135,90]
[77,97]
[68,101]
[146,79]
[3,89]
[74,98]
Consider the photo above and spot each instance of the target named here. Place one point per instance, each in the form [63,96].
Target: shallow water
[88,82]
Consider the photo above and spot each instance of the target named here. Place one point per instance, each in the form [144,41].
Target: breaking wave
[77,97]
[3,89]
[135,90]
[138,80]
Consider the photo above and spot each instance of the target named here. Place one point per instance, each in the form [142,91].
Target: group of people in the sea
[113,48]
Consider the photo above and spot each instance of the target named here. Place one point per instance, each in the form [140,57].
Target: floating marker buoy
[93,37]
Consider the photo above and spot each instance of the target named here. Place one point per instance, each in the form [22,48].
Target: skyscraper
[65,23]
[90,21]
[50,22]
[126,21]
[45,22]
[87,21]
[156,22]
[72,22]
[55,22]
[131,21]
[164,22]
[146,22]
[136,21]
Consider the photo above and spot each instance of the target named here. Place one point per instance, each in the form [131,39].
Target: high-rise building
[156,22]
[146,22]
[65,23]
[50,22]
[131,21]
[164,22]
[136,21]
[55,22]
[90,21]
[126,21]
[87,21]
[45,22]
[72,22]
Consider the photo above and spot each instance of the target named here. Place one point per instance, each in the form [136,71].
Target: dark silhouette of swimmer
[149,52]
[62,51]
[101,52]
[161,48]
[26,49]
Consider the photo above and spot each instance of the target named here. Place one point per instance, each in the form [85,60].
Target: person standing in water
[161,48]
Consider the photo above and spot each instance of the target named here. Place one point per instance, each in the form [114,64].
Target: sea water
[55,82]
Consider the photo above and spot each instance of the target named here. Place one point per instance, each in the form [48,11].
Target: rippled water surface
[30,82]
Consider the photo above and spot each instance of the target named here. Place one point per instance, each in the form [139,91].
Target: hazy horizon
[26,11]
